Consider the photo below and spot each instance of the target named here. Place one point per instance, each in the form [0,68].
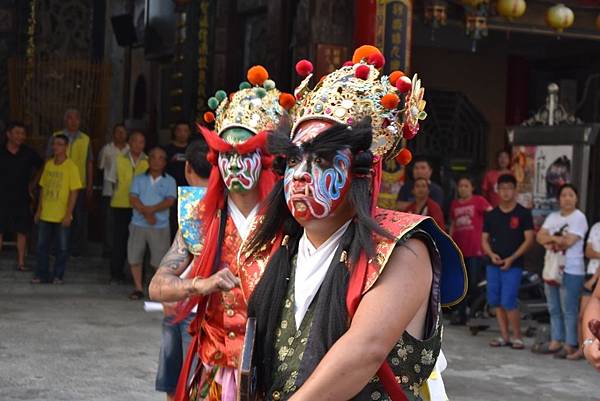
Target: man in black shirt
[507,235]
[20,167]
[176,164]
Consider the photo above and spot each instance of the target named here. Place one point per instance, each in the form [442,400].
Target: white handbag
[554,267]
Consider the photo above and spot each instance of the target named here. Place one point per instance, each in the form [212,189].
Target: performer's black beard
[269,295]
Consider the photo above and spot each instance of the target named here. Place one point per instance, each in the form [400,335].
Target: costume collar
[312,265]
[242,223]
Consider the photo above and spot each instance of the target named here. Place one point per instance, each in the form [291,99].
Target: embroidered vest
[410,368]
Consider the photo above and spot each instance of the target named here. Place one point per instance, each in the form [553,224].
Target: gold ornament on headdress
[357,91]
[255,106]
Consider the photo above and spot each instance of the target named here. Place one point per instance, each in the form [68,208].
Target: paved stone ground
[85,341]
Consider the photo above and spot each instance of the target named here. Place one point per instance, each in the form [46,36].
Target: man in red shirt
[466,214]
[424,205]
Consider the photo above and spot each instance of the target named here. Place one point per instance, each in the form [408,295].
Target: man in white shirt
[106,160]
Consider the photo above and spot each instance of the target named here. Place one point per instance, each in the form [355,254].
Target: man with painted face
[348,306]
[239,180]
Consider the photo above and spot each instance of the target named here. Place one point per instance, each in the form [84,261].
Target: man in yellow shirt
[79,151]
[60,184]
[121,175]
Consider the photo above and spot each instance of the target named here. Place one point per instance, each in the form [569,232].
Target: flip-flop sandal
[562,354]
[22,268]
[500,342]
[136,295]
[575,356]
[517,344]
[544,349]
[36,281]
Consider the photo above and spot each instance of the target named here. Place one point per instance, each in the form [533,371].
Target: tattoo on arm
[166,285]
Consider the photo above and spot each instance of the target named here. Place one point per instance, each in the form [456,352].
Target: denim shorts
[173,349]
[503,286]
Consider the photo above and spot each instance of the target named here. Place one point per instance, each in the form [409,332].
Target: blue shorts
[173,349]
[503,286]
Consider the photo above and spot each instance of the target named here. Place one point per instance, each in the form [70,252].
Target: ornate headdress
[358,90]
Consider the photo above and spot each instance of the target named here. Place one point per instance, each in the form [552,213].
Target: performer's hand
[592,354]
[169,308]
[223,280]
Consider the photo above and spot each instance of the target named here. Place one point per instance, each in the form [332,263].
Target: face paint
[240,173]
[315,188]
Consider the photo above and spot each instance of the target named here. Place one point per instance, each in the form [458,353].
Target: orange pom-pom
[363,53]
[404,157]
[287,100]
[390,101]
[303,68]
[394,76]
[362,72]
[257,75]
[209,117]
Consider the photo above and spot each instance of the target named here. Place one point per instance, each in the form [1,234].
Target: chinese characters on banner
[330,58]
[393,36]
[393,33]
[203,37]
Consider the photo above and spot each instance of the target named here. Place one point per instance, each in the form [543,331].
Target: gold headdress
[256,106]
[357,90]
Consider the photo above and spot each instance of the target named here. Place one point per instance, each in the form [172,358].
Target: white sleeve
[549,222]
[101,161]
[594,233]
[578,225]
[110,174]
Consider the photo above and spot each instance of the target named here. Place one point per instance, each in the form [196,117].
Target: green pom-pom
[221,95]
[213,103]
[260,92]
[245,85]
[269,84]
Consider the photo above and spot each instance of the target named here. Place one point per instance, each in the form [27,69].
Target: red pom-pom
[348,63]
[394,76]
[403,84]
[287,100]
[209,117]
[409,132]
[363,53]
[257,75]
[376,59]
[390,101]
[362,72]
[404,157]
[303,68]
